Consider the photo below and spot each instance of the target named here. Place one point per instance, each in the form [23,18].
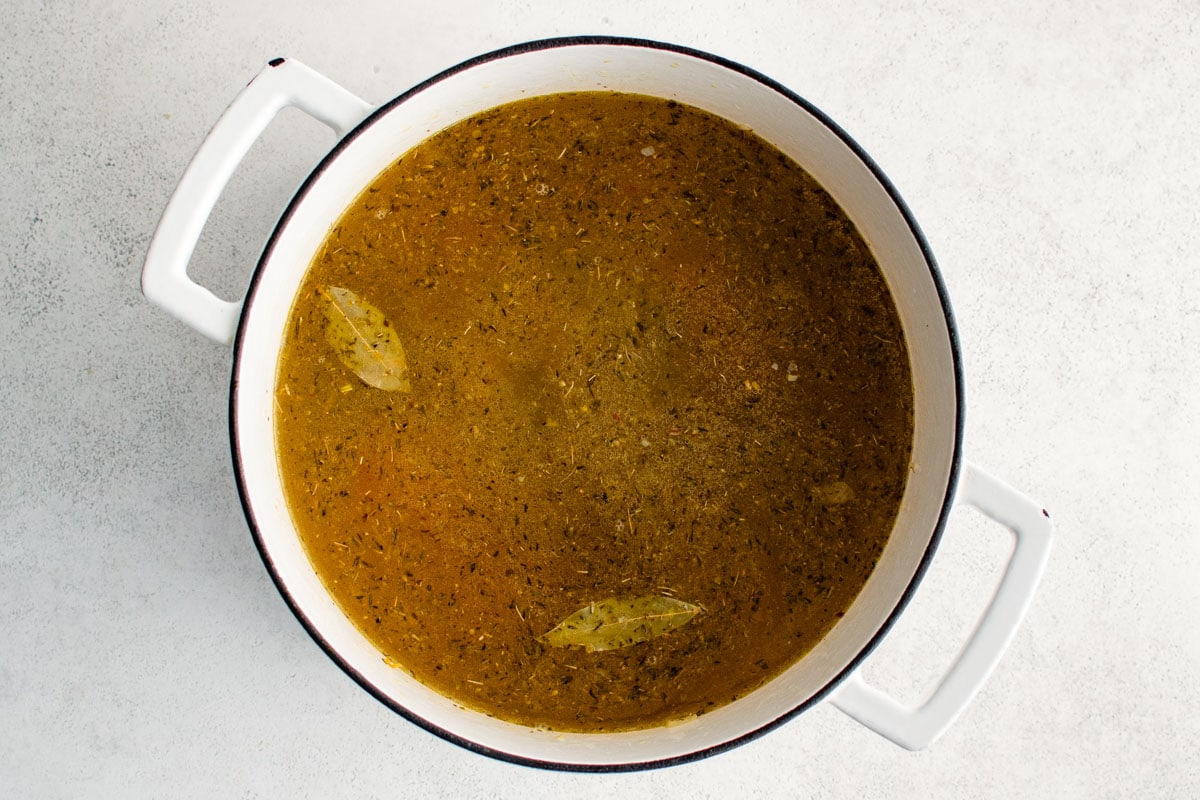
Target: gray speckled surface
[1050,155]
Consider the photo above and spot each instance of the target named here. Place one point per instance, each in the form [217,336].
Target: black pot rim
[935,275]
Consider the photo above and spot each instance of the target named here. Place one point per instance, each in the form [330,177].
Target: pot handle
[917,728]
[281,83]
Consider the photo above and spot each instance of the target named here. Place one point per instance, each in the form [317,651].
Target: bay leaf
[365,341]
[613,623]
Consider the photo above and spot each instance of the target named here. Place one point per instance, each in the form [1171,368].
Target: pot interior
[743,98]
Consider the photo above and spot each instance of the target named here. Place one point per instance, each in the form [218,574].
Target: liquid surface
[644,355]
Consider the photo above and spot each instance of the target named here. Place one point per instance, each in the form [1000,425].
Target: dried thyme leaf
[614,623]
[365,341]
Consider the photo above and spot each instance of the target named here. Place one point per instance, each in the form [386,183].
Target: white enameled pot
[372,138]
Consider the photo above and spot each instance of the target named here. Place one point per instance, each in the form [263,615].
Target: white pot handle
[281,83]
[917,728]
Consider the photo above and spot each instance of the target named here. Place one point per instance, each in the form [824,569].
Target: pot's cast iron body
[371,138]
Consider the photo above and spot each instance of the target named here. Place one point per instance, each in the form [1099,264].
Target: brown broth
[648,355]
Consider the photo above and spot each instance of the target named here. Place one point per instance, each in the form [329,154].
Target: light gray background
[1050,153]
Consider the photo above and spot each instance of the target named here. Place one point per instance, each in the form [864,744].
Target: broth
[636,353]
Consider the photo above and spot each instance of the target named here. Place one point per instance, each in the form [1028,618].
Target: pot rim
[935,277]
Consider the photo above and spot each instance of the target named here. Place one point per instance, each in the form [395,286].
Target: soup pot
[372,138]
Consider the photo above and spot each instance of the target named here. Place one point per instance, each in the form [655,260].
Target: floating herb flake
[834,493]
